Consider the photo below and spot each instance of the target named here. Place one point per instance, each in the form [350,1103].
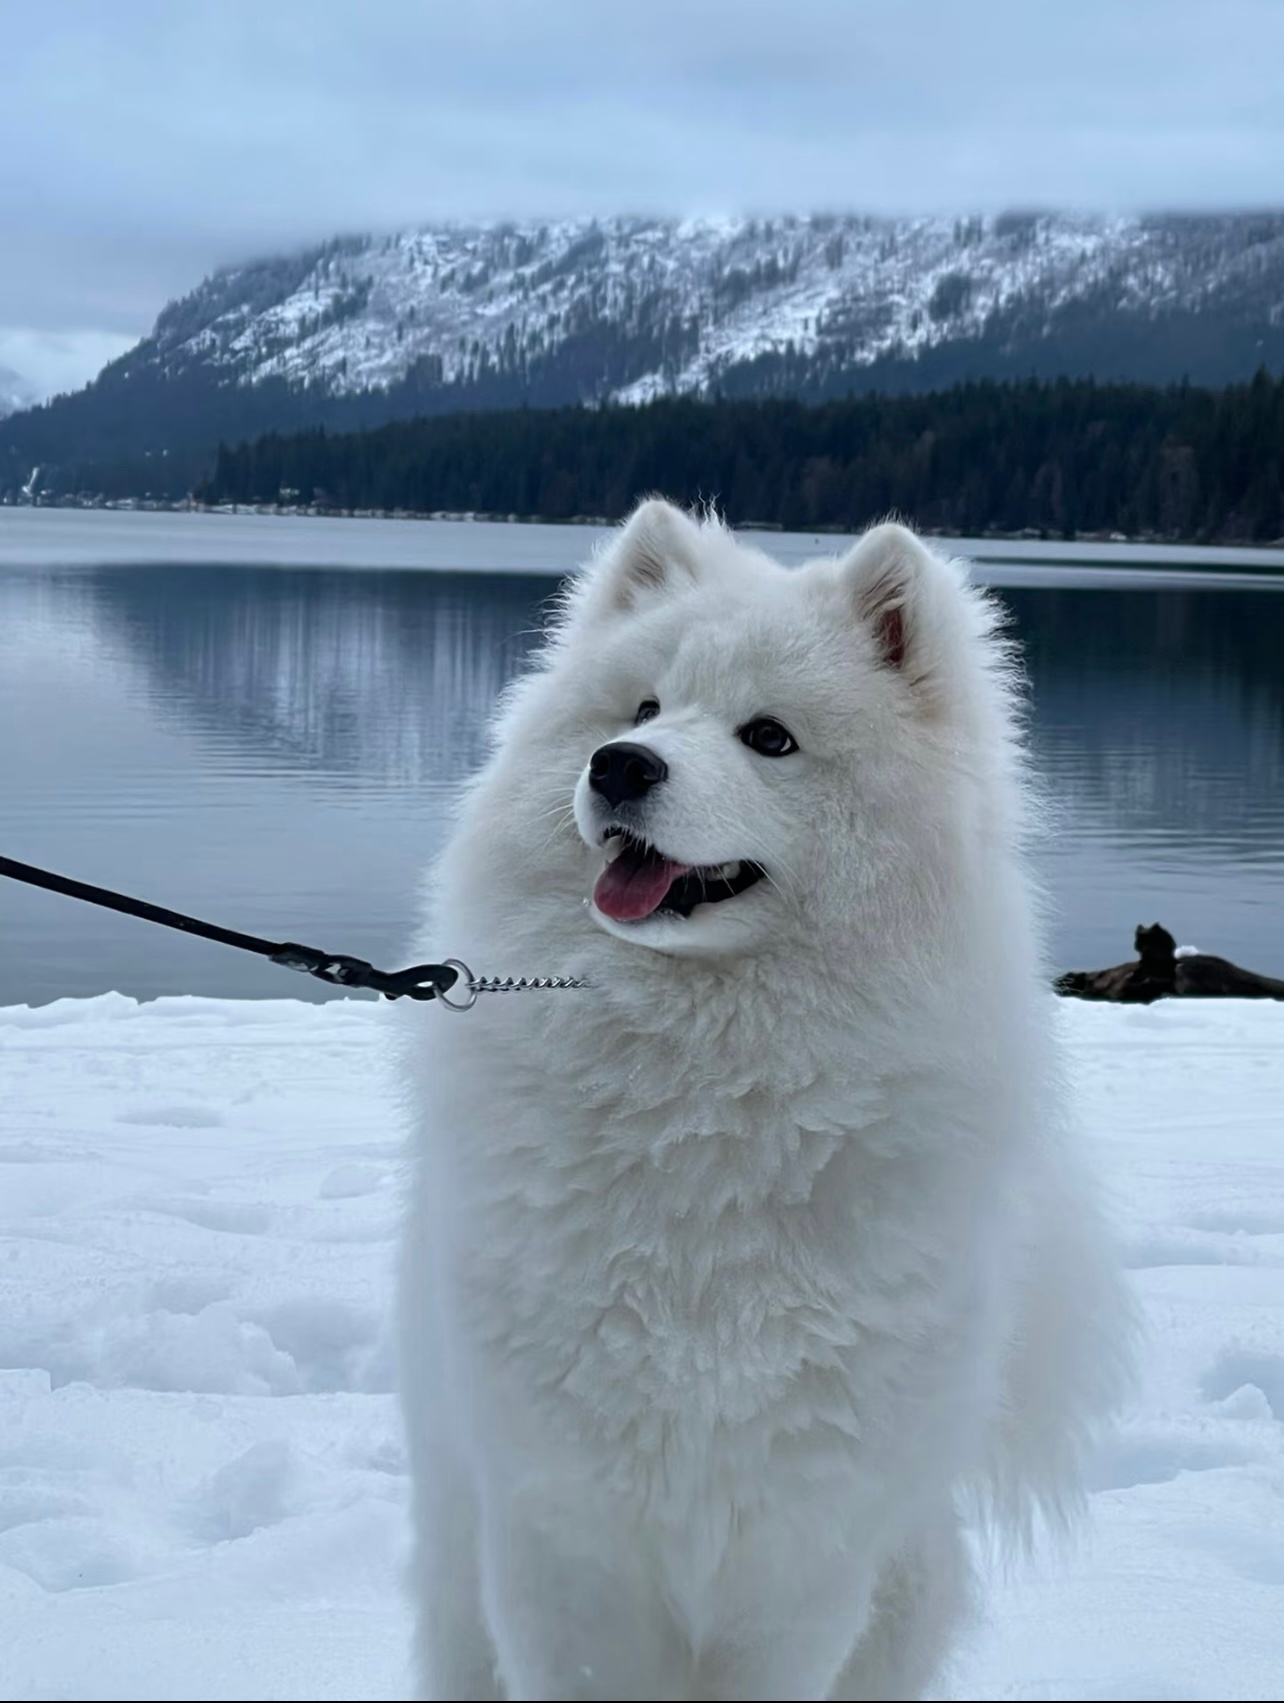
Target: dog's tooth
[726,872]
[614,846]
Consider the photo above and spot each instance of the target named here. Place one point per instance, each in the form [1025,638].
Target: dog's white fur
[733,1286]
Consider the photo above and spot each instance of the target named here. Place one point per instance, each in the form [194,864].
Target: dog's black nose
[624,771]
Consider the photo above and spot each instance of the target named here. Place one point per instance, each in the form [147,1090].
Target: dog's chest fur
[691,1283]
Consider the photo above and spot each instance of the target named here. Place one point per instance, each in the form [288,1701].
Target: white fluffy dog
[736,1284]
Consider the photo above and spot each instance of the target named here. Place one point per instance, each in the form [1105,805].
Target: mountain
[15,392]
[361,330]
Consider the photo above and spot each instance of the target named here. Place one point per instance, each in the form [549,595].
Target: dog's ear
[656,549]
[904,596]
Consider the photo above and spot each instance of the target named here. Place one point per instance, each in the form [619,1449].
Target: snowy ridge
[649,307]
[202,1481]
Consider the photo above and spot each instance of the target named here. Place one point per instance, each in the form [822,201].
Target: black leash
[421,981]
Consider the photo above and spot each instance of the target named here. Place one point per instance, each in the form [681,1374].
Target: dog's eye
[648,709]
[768,738]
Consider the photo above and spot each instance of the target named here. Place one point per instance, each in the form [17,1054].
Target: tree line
[1065,458]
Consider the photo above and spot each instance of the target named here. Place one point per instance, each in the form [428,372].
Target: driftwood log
[1158,973]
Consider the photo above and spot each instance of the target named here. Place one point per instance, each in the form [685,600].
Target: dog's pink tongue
[634,884]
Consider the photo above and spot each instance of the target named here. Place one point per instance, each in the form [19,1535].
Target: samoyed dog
[737,1284]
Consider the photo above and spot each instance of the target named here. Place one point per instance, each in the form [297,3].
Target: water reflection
[380,679]
[1164,709]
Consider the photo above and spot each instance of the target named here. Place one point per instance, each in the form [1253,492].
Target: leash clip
[421,981]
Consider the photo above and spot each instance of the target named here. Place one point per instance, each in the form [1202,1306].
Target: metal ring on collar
[466,981]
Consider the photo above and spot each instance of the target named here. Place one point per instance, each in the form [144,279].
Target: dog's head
[762,751]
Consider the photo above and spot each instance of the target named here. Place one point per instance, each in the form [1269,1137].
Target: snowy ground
[202,1485]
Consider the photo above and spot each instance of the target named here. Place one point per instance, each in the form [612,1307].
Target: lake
[263,721]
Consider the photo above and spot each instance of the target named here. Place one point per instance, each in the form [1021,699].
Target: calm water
[190,712]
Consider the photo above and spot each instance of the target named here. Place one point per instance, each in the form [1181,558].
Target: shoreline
[1112,552]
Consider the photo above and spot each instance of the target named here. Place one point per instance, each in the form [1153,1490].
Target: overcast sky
[143,142]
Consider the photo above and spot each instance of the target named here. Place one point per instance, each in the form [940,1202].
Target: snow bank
[202,1482]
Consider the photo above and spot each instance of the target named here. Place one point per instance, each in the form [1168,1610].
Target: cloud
[157,141]
[54,361]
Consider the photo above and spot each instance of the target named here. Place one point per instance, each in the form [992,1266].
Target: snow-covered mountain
[359,330]
[680,306]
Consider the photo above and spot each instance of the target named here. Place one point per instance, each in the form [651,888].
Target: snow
[202,1483]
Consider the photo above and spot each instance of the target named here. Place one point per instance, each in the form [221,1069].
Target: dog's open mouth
[639,881]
